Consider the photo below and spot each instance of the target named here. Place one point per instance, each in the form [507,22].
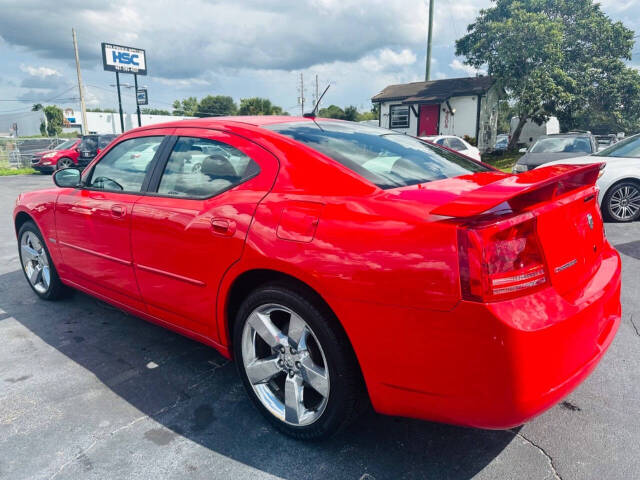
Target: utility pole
[83,108]
[135,81]
[427,74]
[301,94]
[315,97]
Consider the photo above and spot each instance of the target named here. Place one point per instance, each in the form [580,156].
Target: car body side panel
[177,249]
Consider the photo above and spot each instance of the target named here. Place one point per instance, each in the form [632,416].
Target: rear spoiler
[522,190]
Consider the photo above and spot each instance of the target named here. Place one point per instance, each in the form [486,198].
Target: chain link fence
[18,152]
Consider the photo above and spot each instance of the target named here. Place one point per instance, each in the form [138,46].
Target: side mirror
[67,177]
[522,150]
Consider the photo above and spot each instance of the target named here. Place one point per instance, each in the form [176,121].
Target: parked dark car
[556,147]
[91,146]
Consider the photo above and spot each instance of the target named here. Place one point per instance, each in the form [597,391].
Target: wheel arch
[618,181]
[250,280]
[612,185]
[21,218]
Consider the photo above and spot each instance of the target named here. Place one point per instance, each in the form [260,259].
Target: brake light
[500,260]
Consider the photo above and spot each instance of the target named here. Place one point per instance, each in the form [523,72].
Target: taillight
[500,260]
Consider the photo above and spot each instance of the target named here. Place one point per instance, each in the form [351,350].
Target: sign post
[135,82]
[119,102]
[118,58]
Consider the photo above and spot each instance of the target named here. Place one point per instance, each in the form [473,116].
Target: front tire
[622,202]
[296,363]
[37,266]
[64,162]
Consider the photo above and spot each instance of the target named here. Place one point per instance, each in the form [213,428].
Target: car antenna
[312,114]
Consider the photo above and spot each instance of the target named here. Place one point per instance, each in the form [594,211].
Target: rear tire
[621,203]
[37,266]
[294,361]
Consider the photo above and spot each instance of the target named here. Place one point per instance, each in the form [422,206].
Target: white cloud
[387,59]
[41,72]
[467,69]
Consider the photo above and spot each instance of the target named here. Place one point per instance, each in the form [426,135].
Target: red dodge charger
[340,264]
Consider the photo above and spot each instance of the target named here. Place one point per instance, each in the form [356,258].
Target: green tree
[154,111]
[258,106]
[36,107]
[186,107]
[55,119]
[101,110]
[552,57]
[351,113]
[332,111]
[216,106]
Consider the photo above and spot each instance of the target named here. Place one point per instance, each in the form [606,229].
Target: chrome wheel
[35,262]
[65,163]
[624,202]
[288,372]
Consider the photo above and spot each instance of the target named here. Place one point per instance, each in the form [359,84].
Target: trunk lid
[564,201]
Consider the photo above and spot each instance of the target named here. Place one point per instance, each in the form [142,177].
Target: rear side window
[383,157]
[201,168]
[125,166]
[456,144]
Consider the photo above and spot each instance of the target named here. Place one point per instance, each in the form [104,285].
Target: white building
[103,122]
[453,106]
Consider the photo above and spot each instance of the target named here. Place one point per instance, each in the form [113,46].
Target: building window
[399,116]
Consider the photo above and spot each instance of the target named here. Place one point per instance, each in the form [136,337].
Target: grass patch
[4,171]
[503,162]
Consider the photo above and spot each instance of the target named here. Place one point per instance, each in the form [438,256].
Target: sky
[241,48]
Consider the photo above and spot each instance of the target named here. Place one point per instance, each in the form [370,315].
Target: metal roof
[435,91]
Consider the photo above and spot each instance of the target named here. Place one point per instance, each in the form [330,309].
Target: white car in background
[619,181]
[455,143]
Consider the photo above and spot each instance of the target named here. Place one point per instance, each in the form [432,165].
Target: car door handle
[223,226]
[118,211]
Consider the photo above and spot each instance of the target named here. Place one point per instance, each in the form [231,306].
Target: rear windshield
[629,148]
[562,145]
[383,157]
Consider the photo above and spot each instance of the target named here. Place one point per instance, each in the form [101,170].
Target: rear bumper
[486,365]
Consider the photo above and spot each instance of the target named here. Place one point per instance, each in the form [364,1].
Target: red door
[93,223]
[429,116]
[193,229]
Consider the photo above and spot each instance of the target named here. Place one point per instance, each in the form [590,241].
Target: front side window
[385,158]
[398,116]
[627,148]
[125,166]
[201,168]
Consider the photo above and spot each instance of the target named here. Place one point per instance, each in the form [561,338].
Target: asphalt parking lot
[87,391]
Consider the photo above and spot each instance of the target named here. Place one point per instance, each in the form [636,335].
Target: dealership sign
[142,97]
[116,58]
